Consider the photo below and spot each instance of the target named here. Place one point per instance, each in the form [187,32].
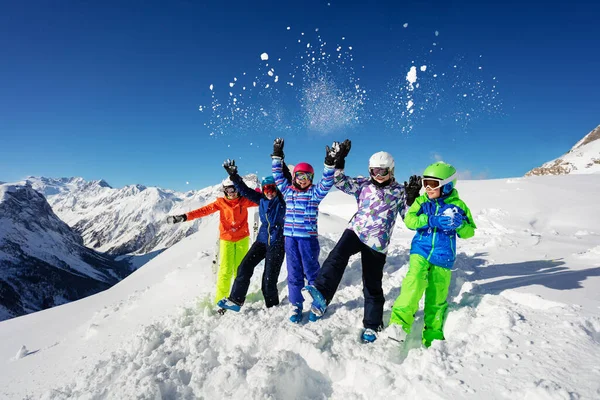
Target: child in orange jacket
[234,236]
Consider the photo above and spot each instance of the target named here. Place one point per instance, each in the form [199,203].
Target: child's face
[433,193]
[303,179]
[382,179]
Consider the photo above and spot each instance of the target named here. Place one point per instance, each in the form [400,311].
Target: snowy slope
[583,158]
[123,221]
[524,321]
[42,261]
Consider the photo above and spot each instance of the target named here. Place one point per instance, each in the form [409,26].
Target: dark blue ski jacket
[271,212]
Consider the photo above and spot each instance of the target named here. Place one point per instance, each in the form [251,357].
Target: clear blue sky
[112,90]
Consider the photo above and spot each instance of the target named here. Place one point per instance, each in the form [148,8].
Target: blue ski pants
[302,262]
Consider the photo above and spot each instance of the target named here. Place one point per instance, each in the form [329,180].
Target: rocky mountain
[43,262]
[583,158]
[130,220]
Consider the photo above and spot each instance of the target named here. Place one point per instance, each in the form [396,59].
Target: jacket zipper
[437,207]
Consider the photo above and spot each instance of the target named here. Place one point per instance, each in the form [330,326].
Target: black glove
[278,148]
[340,160]
[331,153]
[230,167]
[174,219]
[412,188]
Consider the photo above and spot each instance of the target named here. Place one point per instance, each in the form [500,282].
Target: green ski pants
[231,256]
[423,276]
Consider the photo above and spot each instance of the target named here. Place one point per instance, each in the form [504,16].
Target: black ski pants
[373,261]
[273,256]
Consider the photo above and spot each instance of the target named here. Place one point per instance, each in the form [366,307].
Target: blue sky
[113,91]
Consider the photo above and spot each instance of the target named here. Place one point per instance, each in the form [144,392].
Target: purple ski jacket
[378,207]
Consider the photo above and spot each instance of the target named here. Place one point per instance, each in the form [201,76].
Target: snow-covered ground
[524,320]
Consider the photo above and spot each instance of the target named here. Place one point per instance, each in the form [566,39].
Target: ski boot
[318,304]
[226,304]
[369,335]
[296,316]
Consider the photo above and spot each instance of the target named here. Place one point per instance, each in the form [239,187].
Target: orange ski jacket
[233,215]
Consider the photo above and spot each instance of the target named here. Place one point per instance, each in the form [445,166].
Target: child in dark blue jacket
[269,245]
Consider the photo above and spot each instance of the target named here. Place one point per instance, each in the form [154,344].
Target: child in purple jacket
[380,199]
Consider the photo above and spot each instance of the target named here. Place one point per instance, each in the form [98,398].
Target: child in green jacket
[437,216]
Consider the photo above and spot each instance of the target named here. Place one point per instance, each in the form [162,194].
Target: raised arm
[239,183]
[277,165]
[244,190]
[326,182]
[347,184]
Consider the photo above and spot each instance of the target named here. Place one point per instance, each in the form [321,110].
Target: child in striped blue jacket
[302,199]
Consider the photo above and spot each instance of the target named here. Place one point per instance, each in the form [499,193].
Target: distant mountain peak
[583,158]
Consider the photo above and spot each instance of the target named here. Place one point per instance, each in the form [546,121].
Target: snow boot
[296,316]
[312,317]
[369,335]
[227,304]
[319,305]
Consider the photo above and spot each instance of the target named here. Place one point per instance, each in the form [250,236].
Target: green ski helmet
[442,172]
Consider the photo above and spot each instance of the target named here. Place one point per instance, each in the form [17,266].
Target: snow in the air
[411,77]
[264,56]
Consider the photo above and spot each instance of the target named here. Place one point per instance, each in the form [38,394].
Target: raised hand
[174,219]
[344,149]
[278,148]
[230,167]
[412,188]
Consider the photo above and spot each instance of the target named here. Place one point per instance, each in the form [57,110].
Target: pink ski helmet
[303,167]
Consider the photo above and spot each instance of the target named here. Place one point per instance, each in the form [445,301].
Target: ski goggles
[230,189]
[434,183]
[269,189]
[381,172]
[303,176]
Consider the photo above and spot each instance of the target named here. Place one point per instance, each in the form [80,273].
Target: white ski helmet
[227,182]
[382,159]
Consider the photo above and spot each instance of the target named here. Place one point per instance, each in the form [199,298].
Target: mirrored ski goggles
[377,171]
[268,189]
[434,183]
[230,189]
[303,176]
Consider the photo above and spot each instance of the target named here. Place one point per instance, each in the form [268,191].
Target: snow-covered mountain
[583,158]
[523,321]
[43,262]
[130,220]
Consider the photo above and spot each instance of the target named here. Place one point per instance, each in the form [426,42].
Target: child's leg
[329,276]
[241,249]
[226,268]
[294,268]
[245,272]
[372,274]
[273,261]
[413,286]
[309,251]
[435,304]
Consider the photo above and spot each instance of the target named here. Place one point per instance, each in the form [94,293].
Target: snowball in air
[423,68]
[264,56]
[411,76]
[405,25]
[211,87]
